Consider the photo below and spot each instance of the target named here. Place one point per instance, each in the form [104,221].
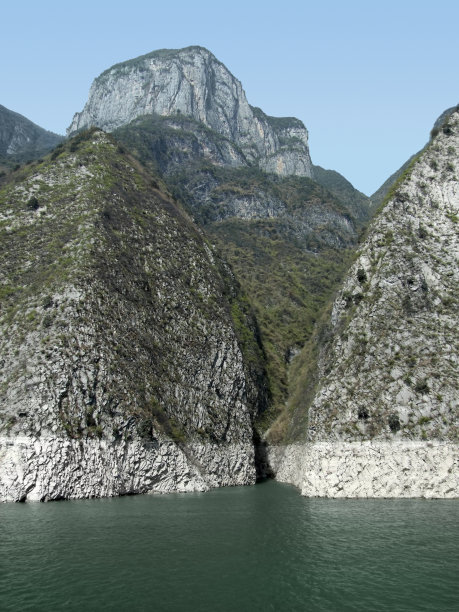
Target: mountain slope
[358,204]
[380,194]
[122,368]
[286,238]
[192,82]
[384,418]
[21,139]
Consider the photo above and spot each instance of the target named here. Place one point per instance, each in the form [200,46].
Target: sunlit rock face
[121,368]
[384,419]
[192,82]
[391,367]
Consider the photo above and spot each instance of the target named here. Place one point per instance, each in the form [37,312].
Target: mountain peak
[192,82]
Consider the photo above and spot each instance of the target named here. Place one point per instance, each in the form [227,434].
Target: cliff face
[20,138]
[192,82]
[122,370]
[395,316]
[245,178]
[388,376]
[157,370]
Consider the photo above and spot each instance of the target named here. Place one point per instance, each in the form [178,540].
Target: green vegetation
[358,204]
[394,422]
[278,123]
[288,258]
[36,141]
[287,286]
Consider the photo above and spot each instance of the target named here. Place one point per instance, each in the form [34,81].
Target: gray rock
[369,469]
[122,370]
[384,418]
[192,82]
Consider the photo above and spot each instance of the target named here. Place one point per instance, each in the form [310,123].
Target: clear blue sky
[368,79]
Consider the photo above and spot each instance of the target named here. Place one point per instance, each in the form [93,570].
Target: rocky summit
[193,83]
[384,417]
[122,368]
[287,237]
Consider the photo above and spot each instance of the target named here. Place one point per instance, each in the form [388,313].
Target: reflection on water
[246,548]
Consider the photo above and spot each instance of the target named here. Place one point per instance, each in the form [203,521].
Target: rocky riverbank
[52,468]
[369,469]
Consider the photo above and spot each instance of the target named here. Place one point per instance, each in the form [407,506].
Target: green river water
[246,548]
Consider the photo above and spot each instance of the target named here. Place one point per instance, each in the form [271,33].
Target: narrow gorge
[187,302]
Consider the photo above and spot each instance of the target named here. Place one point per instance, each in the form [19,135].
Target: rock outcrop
[380,194]
[193,83]
[388,359]
[122,370]
[369,469]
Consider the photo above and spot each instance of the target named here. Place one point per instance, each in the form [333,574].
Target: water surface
[246,548]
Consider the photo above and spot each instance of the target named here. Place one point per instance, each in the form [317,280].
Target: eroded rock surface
[386,405]
[192,82]
[369,469]
[121,370]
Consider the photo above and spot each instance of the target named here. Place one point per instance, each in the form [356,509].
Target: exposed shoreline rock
[375,469]
[52,468]
[121,366]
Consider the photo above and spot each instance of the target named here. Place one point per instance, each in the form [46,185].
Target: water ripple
[249,548]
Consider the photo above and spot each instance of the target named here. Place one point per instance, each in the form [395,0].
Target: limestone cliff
[388,379]
[121,368]
[192,82]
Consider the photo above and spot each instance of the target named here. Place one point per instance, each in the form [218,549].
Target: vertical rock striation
[388,391]
[192,82]
[121,371]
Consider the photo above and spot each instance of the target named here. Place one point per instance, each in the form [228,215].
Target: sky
[368,79]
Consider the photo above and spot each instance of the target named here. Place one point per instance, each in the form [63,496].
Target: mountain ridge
[383,416]
[122,337]
[21,139]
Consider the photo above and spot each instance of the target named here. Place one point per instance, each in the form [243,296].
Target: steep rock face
[20,137]
[234,169]
[194,83]
[369,469]
[211,175]
[121,368]
[388,365]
